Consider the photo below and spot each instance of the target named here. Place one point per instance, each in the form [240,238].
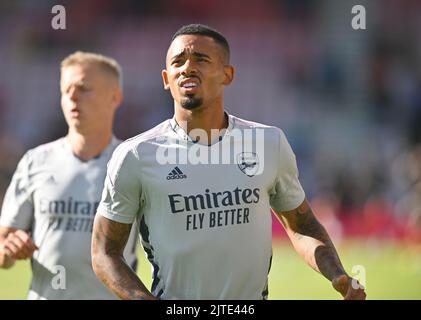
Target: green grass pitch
[392,271]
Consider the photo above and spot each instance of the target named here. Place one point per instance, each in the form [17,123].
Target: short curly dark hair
[203,30]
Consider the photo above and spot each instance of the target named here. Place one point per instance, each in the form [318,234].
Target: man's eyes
[83,87]
[180,62]
[78,88]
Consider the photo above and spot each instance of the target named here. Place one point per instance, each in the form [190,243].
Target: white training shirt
[54,195]
[206,228]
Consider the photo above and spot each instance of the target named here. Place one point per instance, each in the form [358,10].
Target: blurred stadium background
[349,102]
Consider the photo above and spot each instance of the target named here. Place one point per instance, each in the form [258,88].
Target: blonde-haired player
[49,207]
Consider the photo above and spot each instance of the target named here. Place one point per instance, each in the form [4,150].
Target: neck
[204,119]
[87,146]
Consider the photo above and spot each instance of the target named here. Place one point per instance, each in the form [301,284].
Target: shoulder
[132,145]
[157,131]
[271,133]
[275,139]
[39,155]
[242,123]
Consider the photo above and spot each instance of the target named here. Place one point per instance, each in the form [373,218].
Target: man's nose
[189,68]
[74,94]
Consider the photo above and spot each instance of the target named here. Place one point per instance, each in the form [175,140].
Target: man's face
[196,71]
[89,96]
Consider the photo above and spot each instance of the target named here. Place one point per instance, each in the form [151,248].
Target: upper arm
[290,218]
[17,209]
[109,237]
[287,192]
[300,220]
[121,196]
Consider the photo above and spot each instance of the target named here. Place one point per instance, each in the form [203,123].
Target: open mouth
[189,86]
[74,113]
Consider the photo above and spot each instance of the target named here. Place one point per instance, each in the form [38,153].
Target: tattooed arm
[108,242]
[312,242]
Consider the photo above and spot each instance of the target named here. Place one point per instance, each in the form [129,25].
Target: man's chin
[191,103]
[75,124]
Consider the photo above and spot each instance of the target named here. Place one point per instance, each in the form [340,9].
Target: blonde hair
[106,63]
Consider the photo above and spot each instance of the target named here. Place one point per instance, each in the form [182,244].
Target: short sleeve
[121,195]
[18,210]
[287,193]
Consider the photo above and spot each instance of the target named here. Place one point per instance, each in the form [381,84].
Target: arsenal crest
[248,162]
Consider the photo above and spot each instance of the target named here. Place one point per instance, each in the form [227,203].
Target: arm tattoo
[312,241]
[109,240]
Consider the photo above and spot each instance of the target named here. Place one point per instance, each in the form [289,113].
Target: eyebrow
[195,54]
[80,83]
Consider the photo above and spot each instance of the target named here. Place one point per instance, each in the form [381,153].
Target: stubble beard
[191,102]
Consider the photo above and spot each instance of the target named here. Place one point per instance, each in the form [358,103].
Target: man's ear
[229,72]
[118,97]
[165,79]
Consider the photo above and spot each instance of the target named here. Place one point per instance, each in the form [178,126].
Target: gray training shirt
[206,227]
[54,195]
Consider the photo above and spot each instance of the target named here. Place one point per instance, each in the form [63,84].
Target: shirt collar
[184,136]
